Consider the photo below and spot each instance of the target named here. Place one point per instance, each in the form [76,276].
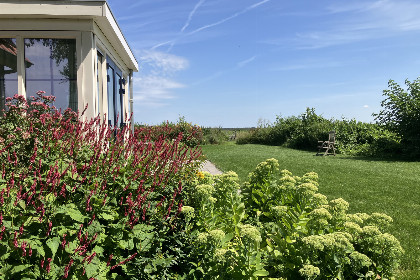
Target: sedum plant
[278,226]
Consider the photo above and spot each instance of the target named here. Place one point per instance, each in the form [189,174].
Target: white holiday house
[71,49]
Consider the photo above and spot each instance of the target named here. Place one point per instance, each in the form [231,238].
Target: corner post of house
[87,94]
[130,80]
[20,45]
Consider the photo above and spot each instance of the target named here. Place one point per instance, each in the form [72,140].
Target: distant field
[391,187]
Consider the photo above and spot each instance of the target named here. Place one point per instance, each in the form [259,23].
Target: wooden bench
[328,146]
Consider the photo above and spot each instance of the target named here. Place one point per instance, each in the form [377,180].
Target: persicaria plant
[81,200]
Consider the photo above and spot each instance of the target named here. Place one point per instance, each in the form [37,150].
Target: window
[115,94]
[99,63]
[8,69]
[53,69]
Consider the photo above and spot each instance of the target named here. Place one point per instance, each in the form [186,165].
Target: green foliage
[214,135]
[277,225]
[190,135]
[79,200]
[304,132]
[401,113]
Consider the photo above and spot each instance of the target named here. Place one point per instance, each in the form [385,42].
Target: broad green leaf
[19,268]
[53,244]
[289,240]
[72,211]
[260,273]
[91,270]
[107,216]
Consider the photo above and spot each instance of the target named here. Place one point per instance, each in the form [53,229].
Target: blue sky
[231,63]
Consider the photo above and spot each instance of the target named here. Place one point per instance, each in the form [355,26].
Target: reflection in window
[8,70]
[54,70]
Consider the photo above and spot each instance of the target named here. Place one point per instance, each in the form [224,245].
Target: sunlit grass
[369,185]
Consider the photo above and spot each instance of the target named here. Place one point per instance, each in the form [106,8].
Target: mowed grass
[369,185]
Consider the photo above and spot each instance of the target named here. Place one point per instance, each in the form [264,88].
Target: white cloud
[190,16]
[361,21]
[154,90]
[183,35]
[163,63]
[246,61]
[154,85]
[365,106]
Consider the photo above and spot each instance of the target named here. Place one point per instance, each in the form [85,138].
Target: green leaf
[107,216]
[19,268]
[260,273]
[72,211]
[53,244]
[91,270]
[289,240]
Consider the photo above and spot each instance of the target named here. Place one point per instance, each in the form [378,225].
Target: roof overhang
[97,10]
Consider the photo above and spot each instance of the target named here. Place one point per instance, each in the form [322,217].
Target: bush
[304,132]
[277,225]
[401,114]
[214,136]
[79,200]
[190,135]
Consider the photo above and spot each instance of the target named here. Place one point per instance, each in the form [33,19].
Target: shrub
[214,135]
[279,226]
[304,132]
[190,135]
[401,114]
[79,200]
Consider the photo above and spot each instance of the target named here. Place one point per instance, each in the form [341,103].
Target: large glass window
[8,69]
[53,70]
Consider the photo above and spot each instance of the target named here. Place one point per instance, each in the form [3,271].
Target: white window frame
[20,36]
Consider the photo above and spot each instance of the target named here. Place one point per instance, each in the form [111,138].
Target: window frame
[118,100]
[20,36]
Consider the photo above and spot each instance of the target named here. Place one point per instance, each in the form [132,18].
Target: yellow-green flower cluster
[380,220]
[336,242]
[339,205]
[279,211]
[250,233]
[319,218]
[354,229]
[204,191]
[359,260]
[307,189]
[264,170]
[216,236]
[309,271]
[220,255]
[227,183]
[319,199]
[202,238]
[310,177]
[188,211]
[287,179]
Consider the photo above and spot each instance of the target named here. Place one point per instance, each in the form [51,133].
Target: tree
[401,113]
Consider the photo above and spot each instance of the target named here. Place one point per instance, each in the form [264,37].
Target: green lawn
[369,185]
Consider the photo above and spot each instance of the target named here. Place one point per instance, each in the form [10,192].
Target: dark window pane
[8,70]
[118,101]
[99,63]
[53,70]
[111,90]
